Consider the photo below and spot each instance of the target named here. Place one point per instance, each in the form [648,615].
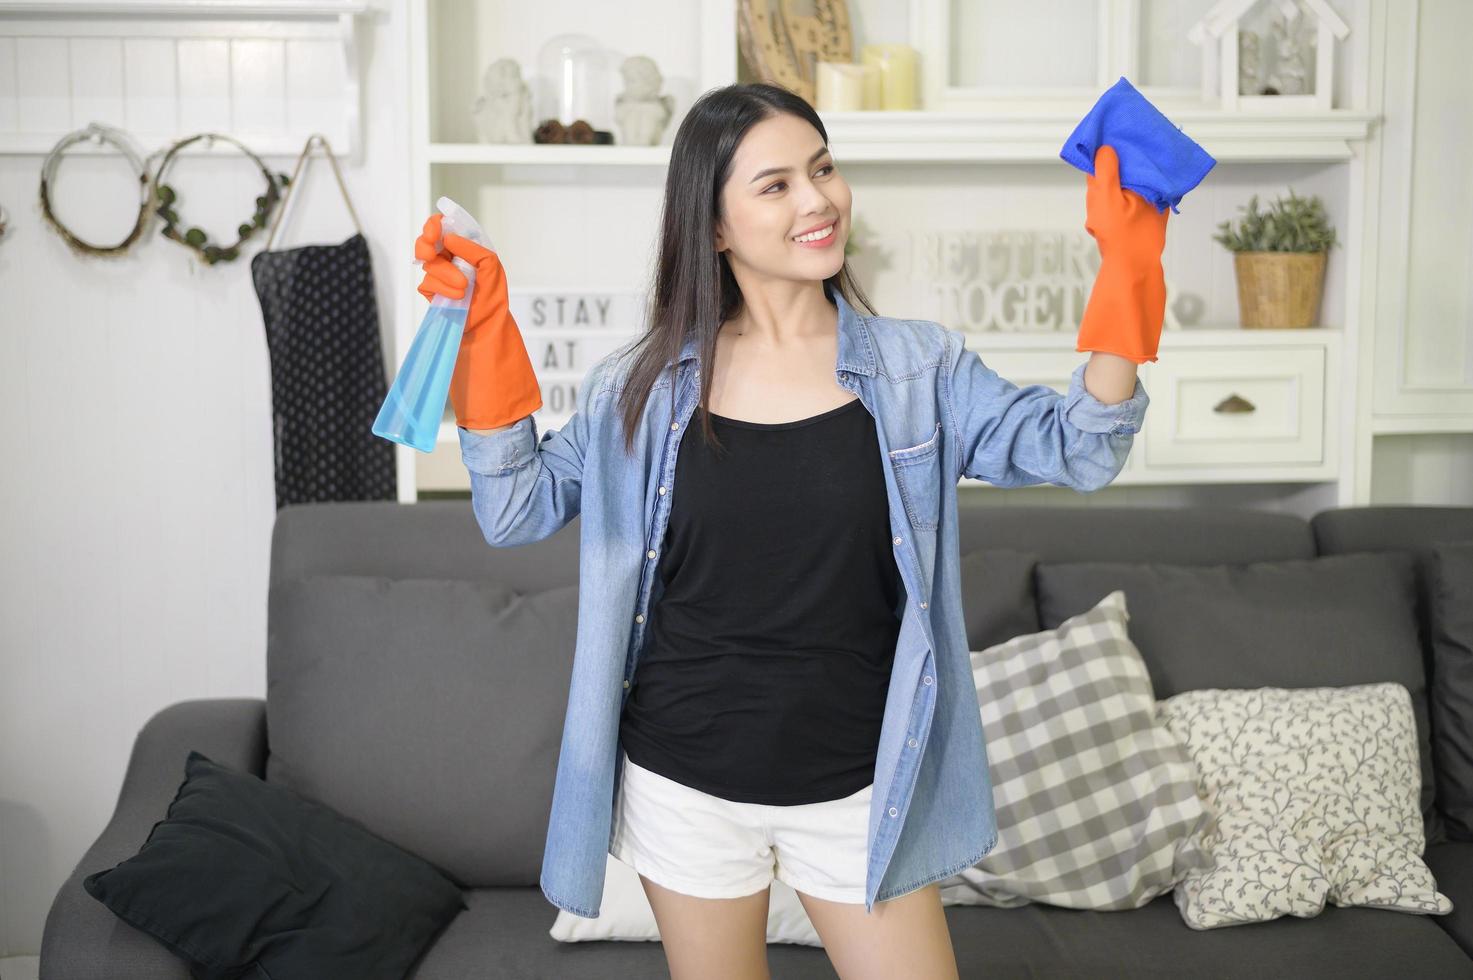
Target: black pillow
[243,874]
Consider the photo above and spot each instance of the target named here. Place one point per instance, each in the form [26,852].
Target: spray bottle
[415,406]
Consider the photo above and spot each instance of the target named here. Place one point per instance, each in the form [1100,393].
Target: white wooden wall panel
[1424,326]
[151,84]
[162,77]
[258,86]
[204,85]
[314,74]
[43,88]
[9,116]
[96,77]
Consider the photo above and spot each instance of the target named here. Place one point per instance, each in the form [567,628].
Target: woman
[794,693]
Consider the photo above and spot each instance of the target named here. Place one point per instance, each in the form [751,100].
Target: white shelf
[1017,131]
[1038,136]
[948,137]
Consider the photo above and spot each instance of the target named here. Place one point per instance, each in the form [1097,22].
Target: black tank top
[769,655]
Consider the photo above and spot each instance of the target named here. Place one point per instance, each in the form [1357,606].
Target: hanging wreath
[97,133]
[167,200]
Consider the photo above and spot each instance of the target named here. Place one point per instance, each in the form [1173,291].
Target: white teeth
[823,233]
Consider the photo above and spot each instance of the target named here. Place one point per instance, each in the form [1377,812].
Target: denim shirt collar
[856,351]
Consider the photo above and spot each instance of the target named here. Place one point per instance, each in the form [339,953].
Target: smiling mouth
[821,234]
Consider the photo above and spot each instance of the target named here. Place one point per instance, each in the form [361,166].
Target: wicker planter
[1279,289]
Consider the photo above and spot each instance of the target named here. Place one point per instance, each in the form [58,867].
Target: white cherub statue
[640,110]
[503,110]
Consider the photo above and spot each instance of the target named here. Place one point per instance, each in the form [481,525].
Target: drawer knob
[1234,404]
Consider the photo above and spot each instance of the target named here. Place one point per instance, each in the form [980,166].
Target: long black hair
[694,289]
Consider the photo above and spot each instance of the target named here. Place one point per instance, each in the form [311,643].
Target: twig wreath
[97,133]
[167,199]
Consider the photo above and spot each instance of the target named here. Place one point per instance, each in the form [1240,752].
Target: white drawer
[1235,407]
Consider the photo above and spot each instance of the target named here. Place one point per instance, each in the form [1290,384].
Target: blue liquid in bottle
[415,405]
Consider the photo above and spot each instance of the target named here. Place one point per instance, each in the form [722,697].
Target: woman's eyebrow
[782,170]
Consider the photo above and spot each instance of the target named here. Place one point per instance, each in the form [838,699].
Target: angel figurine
[503,110]
[640,110]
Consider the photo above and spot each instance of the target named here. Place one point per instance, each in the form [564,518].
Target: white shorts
[701,845]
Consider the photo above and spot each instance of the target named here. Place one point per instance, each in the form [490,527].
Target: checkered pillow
[1096,802]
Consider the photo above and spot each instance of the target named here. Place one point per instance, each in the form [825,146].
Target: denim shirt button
[897,539]
[911,743]
[639,618]
[927,678]
[626,684]
[662,491]
[923,605]
[894,812]
[649,554]
[674,426]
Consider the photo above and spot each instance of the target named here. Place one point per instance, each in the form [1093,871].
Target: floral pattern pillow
[1313,795]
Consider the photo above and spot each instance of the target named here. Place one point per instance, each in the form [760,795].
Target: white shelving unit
[527,184]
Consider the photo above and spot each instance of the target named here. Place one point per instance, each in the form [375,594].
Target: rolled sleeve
[526,485]
[1088,414]
[1015,436]
[491,453]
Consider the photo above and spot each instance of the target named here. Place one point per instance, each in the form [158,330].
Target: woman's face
[764,212]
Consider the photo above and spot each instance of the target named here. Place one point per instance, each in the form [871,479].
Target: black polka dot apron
[328,378]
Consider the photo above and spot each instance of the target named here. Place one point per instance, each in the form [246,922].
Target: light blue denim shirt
[940,413]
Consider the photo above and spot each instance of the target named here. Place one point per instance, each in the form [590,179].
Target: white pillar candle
[873,98]
[840,87]
[897,69]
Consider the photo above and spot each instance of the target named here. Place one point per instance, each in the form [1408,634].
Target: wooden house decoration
[1219,33]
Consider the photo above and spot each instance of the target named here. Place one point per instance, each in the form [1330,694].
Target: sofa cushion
[1331,621]
[509,926]
[1313,794]
[1097,804]
[430,710]
[1452,683]
[1151,942]
[241,875]
[997,596]
[1452,864]
[506,933]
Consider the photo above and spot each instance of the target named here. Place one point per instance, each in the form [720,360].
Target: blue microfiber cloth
[1157,160]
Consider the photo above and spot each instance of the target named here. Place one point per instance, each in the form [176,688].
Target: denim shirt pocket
[918,474]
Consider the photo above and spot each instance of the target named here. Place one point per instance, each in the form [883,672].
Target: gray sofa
[505,931]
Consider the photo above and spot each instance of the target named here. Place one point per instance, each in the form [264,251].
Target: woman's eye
[827,166]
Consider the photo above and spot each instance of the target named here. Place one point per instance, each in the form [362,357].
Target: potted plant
[1279,258]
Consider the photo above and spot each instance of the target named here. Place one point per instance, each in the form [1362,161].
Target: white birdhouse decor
[1268,55]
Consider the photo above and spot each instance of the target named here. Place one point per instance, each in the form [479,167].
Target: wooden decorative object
[783,46]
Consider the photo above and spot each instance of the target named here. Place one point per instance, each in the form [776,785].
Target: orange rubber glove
[493,383]
[1128,302]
